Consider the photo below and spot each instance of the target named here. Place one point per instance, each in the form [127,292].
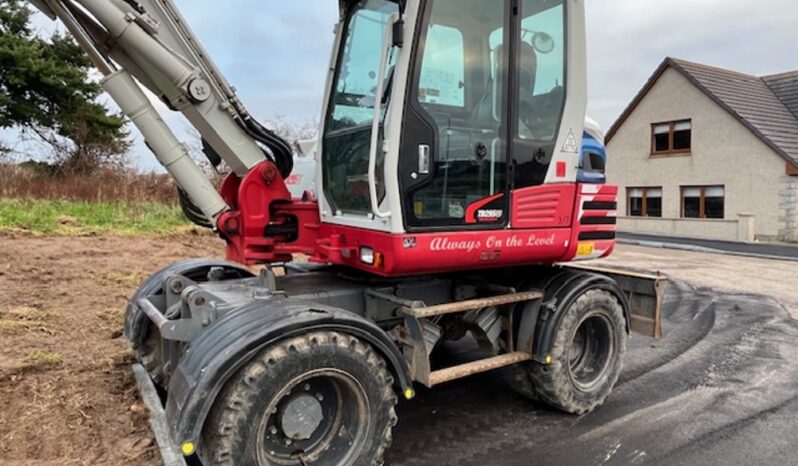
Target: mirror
[543,42]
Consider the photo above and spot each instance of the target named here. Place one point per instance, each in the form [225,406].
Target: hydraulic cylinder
[169,151]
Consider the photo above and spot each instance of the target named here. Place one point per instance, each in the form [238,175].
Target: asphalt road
[720,389]
[774,250]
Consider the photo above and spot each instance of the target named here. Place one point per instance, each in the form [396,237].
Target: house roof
[785,86]
[767,106]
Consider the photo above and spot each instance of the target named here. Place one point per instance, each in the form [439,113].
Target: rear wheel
[587,356]
[322,398]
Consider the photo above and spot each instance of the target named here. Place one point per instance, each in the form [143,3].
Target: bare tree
[291,131]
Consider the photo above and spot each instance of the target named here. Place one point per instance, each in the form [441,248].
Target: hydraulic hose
[280,150]
[191,211]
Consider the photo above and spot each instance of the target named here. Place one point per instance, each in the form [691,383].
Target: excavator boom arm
[149,40]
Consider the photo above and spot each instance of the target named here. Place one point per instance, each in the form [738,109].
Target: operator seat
[488,111]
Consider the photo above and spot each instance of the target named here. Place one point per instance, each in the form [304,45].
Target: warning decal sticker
[570,145]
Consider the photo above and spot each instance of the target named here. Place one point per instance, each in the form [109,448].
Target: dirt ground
[67,396]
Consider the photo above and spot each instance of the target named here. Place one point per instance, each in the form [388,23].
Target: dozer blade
[644,291]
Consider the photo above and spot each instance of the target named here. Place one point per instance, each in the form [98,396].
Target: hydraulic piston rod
[135,105]
[150,40]
[165,56]
[131,37]
[167,148]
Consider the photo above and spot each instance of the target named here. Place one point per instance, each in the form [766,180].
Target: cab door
[454,160]
[484,110]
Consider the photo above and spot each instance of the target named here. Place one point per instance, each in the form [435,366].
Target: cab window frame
[330,132]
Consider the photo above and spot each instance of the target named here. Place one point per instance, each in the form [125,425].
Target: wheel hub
[316,418]
[301,416]
[590,350]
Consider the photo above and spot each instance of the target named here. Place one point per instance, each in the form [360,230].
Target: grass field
[53,217]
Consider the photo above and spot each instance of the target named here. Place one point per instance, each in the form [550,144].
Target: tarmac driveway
[721,388]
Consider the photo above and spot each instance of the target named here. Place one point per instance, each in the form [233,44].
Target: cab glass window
[460,91]
[541,69]
[348,125]
[443,70]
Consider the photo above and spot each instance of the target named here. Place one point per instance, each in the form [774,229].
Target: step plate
[473,304]
[476,367]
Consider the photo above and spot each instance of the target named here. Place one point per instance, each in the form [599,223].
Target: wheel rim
[321,416]
[590,352]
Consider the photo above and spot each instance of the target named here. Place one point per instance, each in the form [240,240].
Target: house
[703,152]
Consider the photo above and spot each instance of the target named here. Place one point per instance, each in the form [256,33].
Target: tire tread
[233,403]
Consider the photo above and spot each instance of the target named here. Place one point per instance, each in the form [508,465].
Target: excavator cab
[454,127]
[454,104]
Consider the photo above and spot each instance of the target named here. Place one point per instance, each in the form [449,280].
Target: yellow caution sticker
[585,249]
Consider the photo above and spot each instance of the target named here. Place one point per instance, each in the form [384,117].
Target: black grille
[596,235]
[599,205]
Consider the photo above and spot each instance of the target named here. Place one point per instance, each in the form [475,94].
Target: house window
[674,137]
[644,202]
[704,202]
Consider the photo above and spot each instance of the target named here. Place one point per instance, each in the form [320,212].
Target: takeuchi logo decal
[444,244]
[489,215]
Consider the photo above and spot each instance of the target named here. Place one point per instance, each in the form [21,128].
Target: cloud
[627,39]
[276,53]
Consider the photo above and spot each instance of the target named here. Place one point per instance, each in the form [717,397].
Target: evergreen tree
[46,88]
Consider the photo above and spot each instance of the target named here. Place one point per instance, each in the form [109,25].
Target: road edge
[692,248]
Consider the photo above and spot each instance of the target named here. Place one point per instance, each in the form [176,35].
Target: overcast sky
[275,52]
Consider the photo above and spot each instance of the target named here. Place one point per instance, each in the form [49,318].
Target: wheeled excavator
[451,202]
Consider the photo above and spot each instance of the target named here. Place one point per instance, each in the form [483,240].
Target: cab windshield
[348,124]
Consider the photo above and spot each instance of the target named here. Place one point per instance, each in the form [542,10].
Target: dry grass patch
[45,358]
[127,279]
[24,319]
[25,313]
[112,319]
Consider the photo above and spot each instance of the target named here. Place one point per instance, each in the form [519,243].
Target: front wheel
[587,356]
[143,334]
[324,398]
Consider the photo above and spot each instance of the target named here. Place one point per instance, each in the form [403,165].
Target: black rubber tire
[143,335]
[555,383]
[231,432]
